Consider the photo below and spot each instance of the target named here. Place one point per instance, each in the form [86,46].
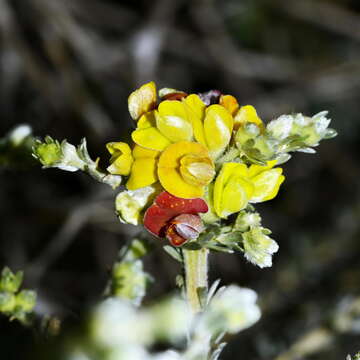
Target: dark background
[67,67]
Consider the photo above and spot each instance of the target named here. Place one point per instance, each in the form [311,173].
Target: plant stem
[196,267]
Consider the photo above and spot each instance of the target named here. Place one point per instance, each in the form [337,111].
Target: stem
[196,267]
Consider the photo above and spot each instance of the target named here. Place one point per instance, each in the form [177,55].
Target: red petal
[181,206]
[155,219]
[167,206]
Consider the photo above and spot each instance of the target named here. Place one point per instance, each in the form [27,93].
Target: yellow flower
[232,189]
[140,164]
[247,114]
[237,185]
[185,168]
[185,120]
[143,170]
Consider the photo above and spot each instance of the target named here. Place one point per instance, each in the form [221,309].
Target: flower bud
[259,247]
[129,281]
[246,220]
[26,300]
[48,153]
[53,154]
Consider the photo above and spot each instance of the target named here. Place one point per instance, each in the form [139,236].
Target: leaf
[214,286]
[217,352]
[175,254]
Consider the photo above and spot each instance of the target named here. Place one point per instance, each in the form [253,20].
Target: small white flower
[259,247]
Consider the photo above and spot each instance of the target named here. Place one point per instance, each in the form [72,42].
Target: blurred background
[67,67]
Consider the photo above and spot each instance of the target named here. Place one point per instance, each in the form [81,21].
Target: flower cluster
[196,160]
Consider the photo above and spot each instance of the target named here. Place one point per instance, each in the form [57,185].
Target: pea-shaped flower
[185,168]
[175,218]
[237,185]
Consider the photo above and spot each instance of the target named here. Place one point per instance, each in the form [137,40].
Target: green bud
[9,281]
[259,247]
[48,153]
[256,147]
[53,154]
[26,300]
[7,302]
[266,147]
[246,220]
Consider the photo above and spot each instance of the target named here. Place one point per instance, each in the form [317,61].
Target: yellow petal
[121,159]
[143,173]
[236,194]
[197,170]
[227,171]
[121,147]
[169,171]
[140,152]
[247,114]
[266,185]
[172,121]
[218,126]
[150,138]
[121,165]
[230,103]
[142,100]
[147,120]
[196,111]
[257,169]
[173,183]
